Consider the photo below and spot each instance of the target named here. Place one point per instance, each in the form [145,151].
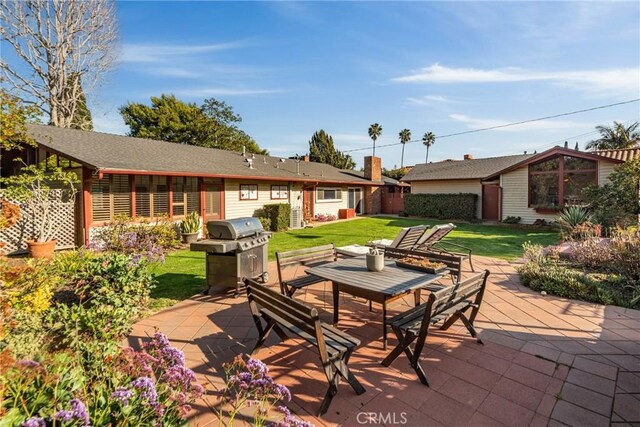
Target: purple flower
[122,395]
[64,416]
[27,363]
[282,392]
[289,419]
[147,389]
[33,422]
[161,348]
[257,366]
[179,377]
[80,412]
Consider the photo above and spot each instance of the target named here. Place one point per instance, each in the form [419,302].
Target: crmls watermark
[388,418]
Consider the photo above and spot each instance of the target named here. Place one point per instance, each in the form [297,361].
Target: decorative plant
[574,221]
[248,383]
[34,190]
[191,223]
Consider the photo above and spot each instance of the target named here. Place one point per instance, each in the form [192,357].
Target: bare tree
[60,43]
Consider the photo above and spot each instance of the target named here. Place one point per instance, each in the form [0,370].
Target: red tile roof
[624,154]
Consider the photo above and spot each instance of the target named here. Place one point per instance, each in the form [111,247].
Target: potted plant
[190,227]
[38,189]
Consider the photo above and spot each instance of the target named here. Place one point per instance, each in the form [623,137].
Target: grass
[182,275]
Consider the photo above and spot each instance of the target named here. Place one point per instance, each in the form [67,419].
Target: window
[186,196]
[110,196]
[279,192]
[248,192]
[559,181]
[328,194]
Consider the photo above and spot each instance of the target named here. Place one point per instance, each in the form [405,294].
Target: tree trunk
[402,158]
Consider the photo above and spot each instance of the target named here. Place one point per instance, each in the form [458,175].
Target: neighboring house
[393,191]
[146,179]
[529,186]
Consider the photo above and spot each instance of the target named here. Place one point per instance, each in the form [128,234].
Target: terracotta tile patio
[545,361]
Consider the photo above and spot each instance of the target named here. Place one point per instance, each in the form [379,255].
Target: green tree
[322,150]
[616,202]
[395,173]
[211,125]
[82,116]
[428,139]
[375,130]
[616,137]
[405,136]
[14,116]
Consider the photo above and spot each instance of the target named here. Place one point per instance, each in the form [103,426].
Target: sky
[290,69]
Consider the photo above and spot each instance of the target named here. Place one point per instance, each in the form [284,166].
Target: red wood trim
[248,200]
[170,187]
[499,203]
[132,189]
[86,203]
[202,201]
[362,183]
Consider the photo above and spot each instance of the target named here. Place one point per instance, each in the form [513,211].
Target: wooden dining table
[350,275]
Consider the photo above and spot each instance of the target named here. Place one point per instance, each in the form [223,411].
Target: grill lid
[233,229]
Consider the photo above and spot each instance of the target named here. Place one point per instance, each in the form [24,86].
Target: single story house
[529,186]
[146,178]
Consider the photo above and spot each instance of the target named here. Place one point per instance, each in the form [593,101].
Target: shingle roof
[386,179]
[463,169]
[625,155]
[114,153]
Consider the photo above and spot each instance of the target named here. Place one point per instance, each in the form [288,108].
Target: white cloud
[429,100]
[173,72]
[480,123]
[150,52]
[618,80]
[224,91]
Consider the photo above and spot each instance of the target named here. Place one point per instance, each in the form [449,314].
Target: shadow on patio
[545,359]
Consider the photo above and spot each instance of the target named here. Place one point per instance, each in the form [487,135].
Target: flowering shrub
[59,391]
[248,383]
[111,290]
[27,286]
[325,217]
[148,239]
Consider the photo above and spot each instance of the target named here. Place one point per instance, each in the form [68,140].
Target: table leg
[336,301]
[384,325]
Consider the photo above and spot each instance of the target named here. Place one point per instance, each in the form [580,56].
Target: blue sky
[292,68]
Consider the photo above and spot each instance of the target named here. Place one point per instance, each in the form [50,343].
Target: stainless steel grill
[237,249]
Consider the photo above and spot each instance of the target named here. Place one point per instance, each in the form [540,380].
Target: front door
[212,202]
[307,203]
[355,199]
[491,202]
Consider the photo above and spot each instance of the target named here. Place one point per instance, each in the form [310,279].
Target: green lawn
[182,275]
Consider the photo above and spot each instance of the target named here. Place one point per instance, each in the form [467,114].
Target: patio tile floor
[545,361]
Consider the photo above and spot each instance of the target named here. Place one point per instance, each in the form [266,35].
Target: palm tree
[615,137]
[405,136]
[428,139]
[375,130]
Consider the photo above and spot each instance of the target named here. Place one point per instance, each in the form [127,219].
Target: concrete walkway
[546,360]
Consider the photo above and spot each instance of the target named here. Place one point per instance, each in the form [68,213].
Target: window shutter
[100,199]
[193,195]
[120,191]
[143,200]
[160,196]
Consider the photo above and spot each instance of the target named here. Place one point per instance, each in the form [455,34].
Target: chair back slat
[301,315]
[453,295]
[407,238]
[301,256]
[434,235]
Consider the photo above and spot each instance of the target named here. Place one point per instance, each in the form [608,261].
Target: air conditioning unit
[296,218]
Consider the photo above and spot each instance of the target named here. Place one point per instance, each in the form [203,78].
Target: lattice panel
[15,237]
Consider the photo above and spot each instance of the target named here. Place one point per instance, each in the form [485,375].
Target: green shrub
[266,222]
[24,334]
[442,206]
[28,285]
[191,223]
[512,220]
[112,290]
[279,214]
[625,253]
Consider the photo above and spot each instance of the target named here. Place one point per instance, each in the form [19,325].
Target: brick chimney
[468,156]
[305,158]
[373,168]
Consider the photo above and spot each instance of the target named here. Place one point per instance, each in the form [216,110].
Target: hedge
[441,206]
[279,214]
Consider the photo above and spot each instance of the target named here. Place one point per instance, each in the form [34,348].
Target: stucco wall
[451,186]
[332,208]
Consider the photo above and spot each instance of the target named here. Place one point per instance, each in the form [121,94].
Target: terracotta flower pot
[41,249]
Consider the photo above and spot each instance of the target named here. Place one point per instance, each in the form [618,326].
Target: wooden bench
[446,305]
[303,257]
[274,311]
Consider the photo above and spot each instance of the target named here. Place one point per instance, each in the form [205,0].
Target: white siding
[604,170]
[321,207]
[236,208]
[451,186]
[515,197]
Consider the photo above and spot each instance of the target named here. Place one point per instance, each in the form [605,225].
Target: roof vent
[468,156]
